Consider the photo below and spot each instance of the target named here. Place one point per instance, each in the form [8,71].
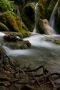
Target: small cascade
[18,12]
[52,18]
[36,11]
[1,37]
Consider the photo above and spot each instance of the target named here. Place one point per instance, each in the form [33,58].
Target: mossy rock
[3,27]
[56,41]
[13,22]
[28,15]
[43,5]
[18,44]
[6,5]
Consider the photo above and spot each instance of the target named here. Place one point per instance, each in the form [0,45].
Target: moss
[3,27]
[43,6]
[6,5]
[14,23]
[46,7]
[10,19]
[56,41]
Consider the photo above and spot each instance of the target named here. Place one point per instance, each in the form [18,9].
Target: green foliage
[3,27]
[56,41]
[12,21]
[6,5]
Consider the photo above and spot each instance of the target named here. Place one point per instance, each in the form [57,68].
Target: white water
[2,34]
[36,11]
[52,18]
[37,41]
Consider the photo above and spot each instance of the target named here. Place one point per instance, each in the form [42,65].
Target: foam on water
[2,34]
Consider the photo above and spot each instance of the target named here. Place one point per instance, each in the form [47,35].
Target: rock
[46,27]
[15,42]
[12,38]
[27,43]
[13,23]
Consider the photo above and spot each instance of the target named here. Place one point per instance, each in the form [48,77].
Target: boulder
[18,44]
[12,38]
[44,24]
[15,42]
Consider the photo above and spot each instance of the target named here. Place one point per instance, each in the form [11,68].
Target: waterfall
[18,12]
[36,11]
[52,18]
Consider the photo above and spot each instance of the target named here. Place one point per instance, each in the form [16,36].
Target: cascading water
[18,12]
[52,18]
[36,11]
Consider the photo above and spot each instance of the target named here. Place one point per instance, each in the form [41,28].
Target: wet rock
[45,27]
[18,44]
[15,42]
[12,38]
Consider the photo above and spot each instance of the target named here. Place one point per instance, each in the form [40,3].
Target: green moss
[14,23]
[56,41]
[3,27]
[6,5]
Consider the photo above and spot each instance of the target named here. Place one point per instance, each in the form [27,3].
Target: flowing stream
[42,52]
